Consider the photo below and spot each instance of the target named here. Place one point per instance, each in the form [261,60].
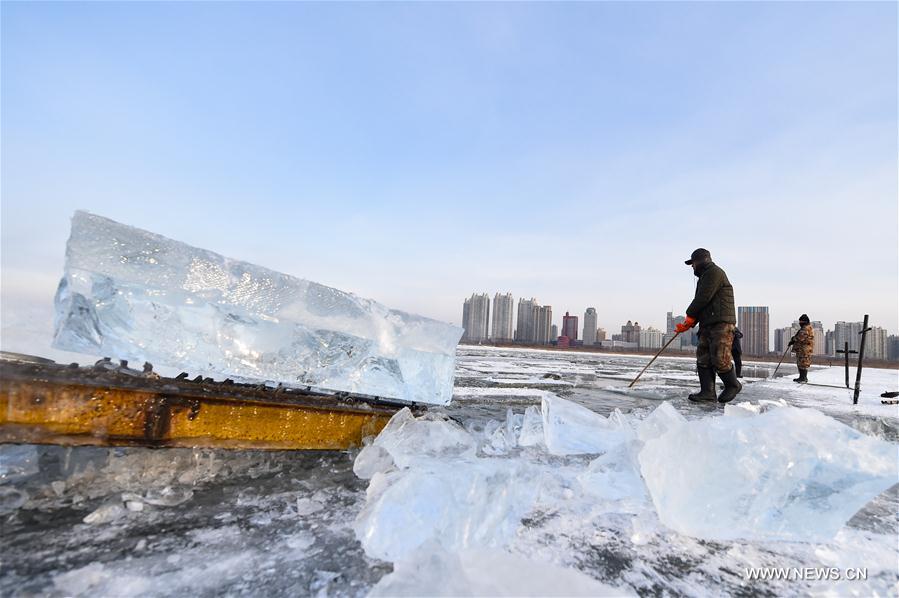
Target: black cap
[700,255]
[804,318]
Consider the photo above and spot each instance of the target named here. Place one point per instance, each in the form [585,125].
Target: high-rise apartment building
[650,338]
[590,326]
[782,338]
[569,326]
[476,317]
[671,321]
[630,332]
[526,325]
[544,324]
[846,332]
[876,343]
[820,339]
[829,349]
[554,332]
[687,340]
[753,323]
[502,317]
[600,334]
[893,347]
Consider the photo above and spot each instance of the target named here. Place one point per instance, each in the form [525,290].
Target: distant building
[569,326]
[476,317]
[544,324]
[820,339]
[673,322]
[829,349]
[682,343]
[618,344]
[526,326]
[753,323]
[687,340]
[630,333]
[782,338]
[846,332]
[502,317]
[590,326]
[564,342]
[650,338]
[554,332]
[893,347]
[600,334]
[876,343]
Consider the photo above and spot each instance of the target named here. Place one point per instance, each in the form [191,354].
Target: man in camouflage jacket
[803,343]
[713,309]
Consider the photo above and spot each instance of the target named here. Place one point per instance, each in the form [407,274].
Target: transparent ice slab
[131,294]
[784,474]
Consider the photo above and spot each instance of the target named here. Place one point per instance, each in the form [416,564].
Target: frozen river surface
[544,476]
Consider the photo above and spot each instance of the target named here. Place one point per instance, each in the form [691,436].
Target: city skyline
[754,322]
[662,324]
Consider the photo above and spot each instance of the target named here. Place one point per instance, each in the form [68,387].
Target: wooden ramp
[109,404]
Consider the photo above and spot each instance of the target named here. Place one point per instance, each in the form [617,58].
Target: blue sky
[415,153]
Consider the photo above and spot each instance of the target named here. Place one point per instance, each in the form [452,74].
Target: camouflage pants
[714,348]
[803,359]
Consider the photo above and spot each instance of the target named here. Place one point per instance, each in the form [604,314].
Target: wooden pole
[787,350]
[861,355]
[634,381]
[846,351]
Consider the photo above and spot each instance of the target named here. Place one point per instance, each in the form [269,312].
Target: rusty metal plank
[39,407]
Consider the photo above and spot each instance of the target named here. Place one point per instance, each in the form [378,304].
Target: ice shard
[131,294]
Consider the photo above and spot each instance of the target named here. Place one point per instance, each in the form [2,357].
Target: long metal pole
[861,355]
[774,375]
[653,359]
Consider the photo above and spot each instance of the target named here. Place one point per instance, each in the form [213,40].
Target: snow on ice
[128,293]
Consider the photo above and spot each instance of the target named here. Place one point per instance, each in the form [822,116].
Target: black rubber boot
[803,376]
[706,384]
[732,386]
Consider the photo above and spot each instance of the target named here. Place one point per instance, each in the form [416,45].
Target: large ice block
[131,294]
[786,474]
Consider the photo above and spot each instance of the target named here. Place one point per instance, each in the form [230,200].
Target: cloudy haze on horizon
[416,153]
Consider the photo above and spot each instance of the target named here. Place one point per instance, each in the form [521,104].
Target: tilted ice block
[132,294]
[786,474]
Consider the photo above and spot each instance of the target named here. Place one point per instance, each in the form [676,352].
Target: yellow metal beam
[50,412]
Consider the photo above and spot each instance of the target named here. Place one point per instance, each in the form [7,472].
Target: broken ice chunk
[786,474]
[663,418]
[571,429]
[406,438]
[132,294]
[531,427]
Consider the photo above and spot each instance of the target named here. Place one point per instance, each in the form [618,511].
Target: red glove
[688,324]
